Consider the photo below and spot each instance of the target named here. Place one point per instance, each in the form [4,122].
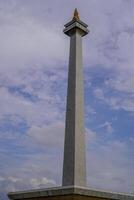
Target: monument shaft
[74,164]
[74,168]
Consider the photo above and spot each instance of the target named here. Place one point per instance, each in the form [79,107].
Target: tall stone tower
[74,164]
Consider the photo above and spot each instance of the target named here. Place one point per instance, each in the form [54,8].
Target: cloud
[90,136]
[108,162]
[34,170]
[33,93]
[49,135]
[14,184]
[41,182]
[99,93]
[108,126]
[29,44]
[122,83]
[116,102]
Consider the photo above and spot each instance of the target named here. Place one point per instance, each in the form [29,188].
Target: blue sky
[33,80]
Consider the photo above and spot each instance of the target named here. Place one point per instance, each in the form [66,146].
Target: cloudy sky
[33,81]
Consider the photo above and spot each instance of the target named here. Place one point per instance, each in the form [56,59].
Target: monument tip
[76,15]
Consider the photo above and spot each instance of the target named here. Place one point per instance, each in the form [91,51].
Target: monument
[74,163]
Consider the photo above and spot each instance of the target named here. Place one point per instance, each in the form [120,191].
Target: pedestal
[68,193]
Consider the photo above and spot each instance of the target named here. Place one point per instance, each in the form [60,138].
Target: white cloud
[36,183]
[116,102]
[34,84]
[48,135]
[15,183]
[90,136]
[123,83]
[108,166]
[98,92]
[108,126]
[29,43]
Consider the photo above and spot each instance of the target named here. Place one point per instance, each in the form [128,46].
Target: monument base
[68,193]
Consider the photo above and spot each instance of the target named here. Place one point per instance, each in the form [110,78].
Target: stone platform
[68,193]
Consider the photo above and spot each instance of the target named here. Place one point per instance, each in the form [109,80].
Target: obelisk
[74,166]
[74,162]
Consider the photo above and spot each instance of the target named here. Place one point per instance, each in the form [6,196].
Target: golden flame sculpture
[76,15]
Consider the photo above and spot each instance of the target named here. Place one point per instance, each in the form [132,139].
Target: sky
[34,56]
